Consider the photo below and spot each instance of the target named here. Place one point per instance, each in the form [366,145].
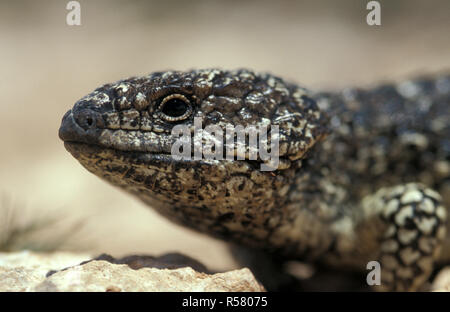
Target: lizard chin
[213,196]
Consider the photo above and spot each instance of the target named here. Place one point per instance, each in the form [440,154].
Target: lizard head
[124,132]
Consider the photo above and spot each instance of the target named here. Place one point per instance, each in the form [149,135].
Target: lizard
[363,173]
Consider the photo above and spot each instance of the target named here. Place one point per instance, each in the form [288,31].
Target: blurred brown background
[47,65]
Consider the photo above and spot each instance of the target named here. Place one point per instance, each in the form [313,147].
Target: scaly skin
[363,174]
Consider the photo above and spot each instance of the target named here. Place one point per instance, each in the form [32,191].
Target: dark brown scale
[381,119]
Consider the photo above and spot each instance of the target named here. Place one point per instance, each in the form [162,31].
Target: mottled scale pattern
[364,173]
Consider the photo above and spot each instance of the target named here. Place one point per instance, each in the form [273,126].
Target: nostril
[81,126]
[86,119]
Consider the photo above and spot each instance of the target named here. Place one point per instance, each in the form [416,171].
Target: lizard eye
[175,107]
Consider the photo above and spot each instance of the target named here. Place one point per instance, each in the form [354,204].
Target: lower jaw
[91,151]
[79,150]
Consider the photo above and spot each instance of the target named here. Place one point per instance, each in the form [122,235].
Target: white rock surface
[26,271]
[22,271]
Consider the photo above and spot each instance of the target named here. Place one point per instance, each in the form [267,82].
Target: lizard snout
[81,126]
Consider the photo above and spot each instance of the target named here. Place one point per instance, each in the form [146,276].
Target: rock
[166,261]
[105,276]
[442,280]
[22,271]
[26,271]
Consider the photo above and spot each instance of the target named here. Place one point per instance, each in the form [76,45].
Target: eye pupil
[175,107]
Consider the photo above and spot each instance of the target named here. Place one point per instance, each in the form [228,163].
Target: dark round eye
[175,107]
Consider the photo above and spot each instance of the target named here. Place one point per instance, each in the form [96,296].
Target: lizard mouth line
[90,150]
[82,150]
[82,137]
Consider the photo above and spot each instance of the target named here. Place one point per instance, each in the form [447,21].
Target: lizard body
[363,174]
